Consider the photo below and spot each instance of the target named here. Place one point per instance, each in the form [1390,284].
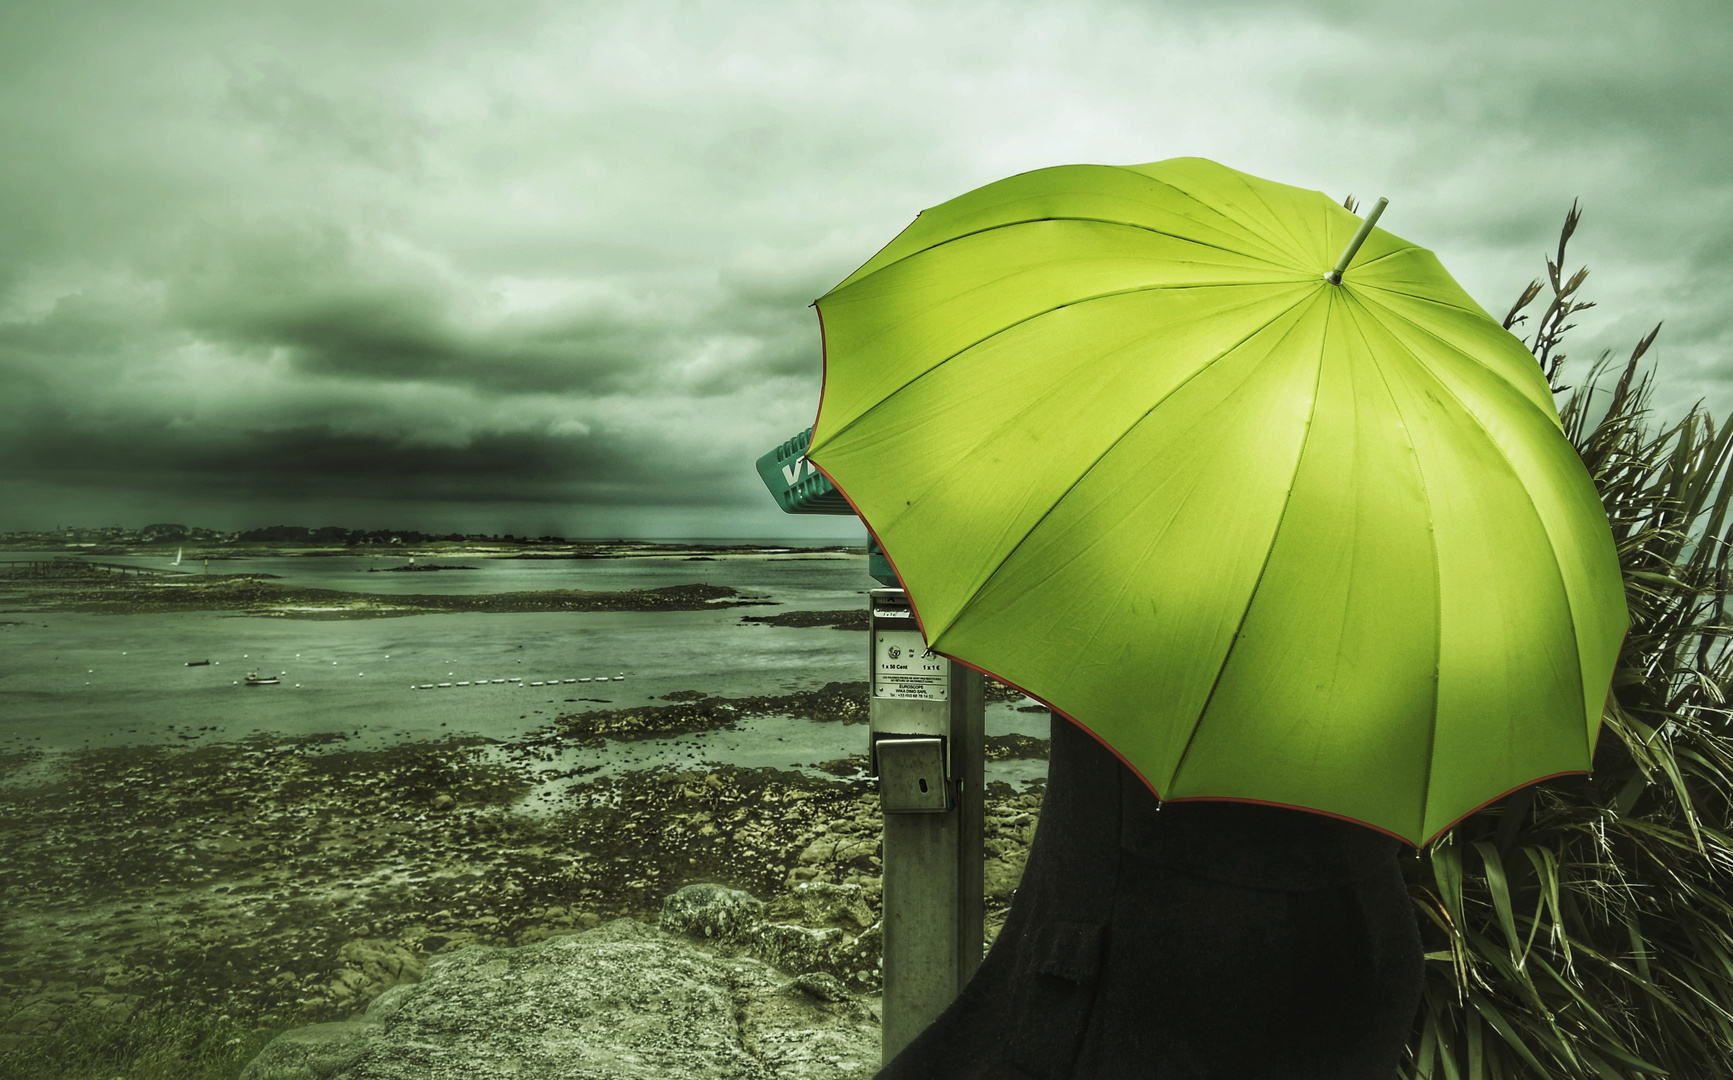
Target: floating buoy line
[518,681]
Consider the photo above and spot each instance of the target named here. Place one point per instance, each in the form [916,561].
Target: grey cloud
[428,253]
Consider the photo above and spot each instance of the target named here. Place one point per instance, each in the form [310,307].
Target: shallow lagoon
[72,680]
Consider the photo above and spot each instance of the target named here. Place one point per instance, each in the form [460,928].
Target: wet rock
[621,1002]
[728,917]
[711,911]
[823,903]
[370,967]
[317,1052]
[797,948]
[822,986]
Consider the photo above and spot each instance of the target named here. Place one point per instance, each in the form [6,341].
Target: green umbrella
[1268,535]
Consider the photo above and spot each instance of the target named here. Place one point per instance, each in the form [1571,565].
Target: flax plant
[1583,927]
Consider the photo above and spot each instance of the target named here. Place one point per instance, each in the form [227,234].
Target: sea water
[71,680]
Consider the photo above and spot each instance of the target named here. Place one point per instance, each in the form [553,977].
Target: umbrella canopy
[1268,537]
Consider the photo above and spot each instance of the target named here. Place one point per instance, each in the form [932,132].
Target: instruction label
[905,669]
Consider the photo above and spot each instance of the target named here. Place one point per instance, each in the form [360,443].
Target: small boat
[499,680]
[464,683]
[255,679]
[178,553]
[571,680]
[584,679]
[443,685]
[198,663]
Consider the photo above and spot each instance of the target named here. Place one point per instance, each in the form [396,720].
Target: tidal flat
[175,844]
[280,880]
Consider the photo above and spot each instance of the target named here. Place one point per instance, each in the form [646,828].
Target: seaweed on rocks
[846,619]
[296,878]
[692,710]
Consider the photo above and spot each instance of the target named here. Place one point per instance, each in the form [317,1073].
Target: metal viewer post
[926,747]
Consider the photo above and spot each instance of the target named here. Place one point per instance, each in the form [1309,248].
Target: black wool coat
[1187,941]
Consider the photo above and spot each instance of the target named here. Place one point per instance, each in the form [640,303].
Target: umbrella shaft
[1335,276]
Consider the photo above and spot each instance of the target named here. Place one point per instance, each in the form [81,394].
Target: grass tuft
[164,1045]
[1583,927]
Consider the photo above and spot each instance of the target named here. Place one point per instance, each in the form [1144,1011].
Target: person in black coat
[1187,941]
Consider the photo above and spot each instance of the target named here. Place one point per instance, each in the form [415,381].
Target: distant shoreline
[195,552]
[86,586]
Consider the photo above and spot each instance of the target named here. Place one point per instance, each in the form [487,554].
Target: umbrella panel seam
[1252,596]
[1083,474]
[947,241]
[1552,545]
[887,397]
[1432,541]
[1397,316]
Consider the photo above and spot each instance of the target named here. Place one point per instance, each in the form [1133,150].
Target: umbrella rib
[1437,585]
[1420,298]
[1469,357]
[1057,217]
[1251,598]
[1298,246]
[885,398]
[1082,473]
[1564,588]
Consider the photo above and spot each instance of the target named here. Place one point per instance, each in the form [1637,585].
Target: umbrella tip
[1334,277]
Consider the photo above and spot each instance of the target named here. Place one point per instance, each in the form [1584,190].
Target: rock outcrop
[621,1002]
[816,927]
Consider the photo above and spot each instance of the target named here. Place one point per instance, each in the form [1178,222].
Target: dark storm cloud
[329,304]
[461,260]
[306,461]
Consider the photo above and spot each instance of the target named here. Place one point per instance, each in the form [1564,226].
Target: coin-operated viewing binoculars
[926,747]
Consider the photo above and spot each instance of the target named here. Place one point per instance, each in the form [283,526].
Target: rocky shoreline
[291,881]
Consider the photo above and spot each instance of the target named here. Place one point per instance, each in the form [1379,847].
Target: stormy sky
[546,267]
